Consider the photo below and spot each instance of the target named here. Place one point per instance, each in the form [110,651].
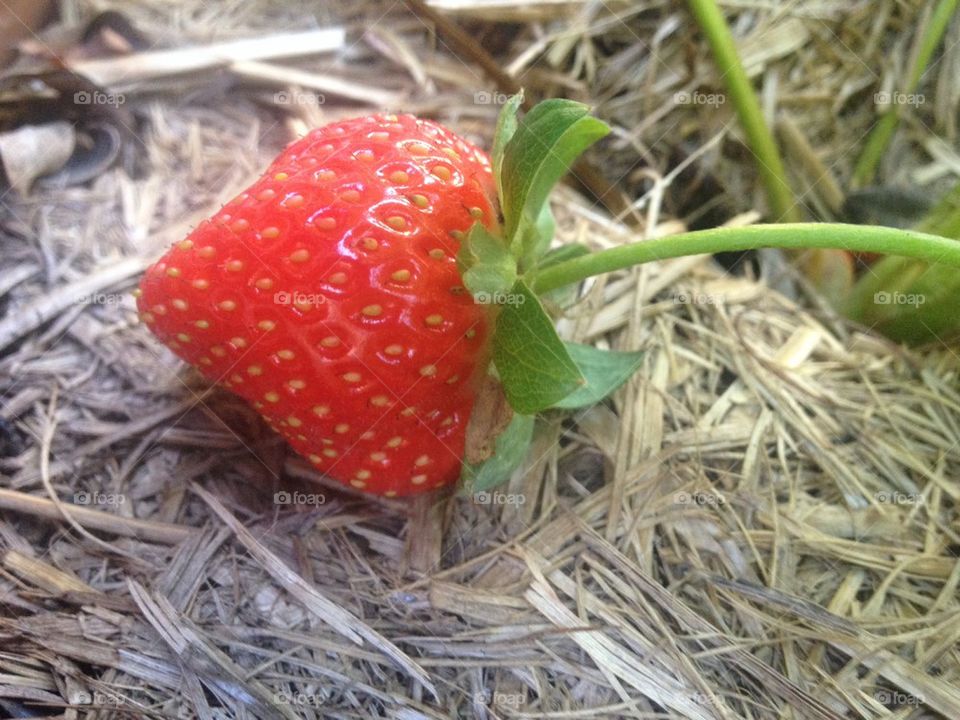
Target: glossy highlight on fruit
[328,296]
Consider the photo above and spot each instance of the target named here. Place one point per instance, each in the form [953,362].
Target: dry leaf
[490,417]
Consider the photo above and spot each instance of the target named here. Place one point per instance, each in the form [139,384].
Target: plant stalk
[857,238]
[779,195]
[882,133]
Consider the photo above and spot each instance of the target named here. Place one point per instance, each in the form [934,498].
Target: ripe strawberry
[328,296]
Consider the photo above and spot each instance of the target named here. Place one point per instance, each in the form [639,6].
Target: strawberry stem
[857,238]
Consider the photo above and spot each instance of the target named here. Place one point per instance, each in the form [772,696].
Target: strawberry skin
[328,296]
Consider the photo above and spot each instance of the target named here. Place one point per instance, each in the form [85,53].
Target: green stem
[858,238]
[881,134]
[714,26]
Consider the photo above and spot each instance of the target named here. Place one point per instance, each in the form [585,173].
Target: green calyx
[537,370]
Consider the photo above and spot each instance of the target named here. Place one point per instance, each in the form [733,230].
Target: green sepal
[506,127]
[545,144]
[533,364]
[537,237]
[487,267]
[603,370]
[510,449]
[562,254]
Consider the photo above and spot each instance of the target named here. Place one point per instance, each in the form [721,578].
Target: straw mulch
[763,523]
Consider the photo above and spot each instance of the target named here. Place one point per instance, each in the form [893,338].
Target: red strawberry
[328,296]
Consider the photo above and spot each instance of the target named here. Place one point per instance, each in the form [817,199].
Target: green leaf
[546,142]
[506,127]
[566,295]
[511,447]
[486,264]
[604,371]
[537,237]
[534,366]
[562,254]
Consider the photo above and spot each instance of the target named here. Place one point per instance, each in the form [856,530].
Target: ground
[764,517]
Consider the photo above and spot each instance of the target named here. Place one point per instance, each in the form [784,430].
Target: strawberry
[328,296]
